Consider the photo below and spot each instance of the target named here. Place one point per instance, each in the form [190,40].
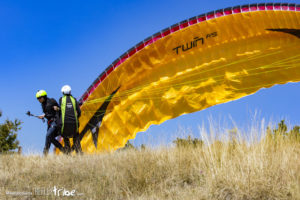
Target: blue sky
[46,44]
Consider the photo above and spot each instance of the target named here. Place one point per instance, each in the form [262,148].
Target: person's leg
[77,144]
[67,145]
[70,131]
[48,140]
[51,135]
[57,144]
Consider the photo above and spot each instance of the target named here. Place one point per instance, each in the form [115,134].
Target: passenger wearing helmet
[70,113]
[50,108]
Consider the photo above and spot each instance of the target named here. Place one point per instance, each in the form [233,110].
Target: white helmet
[66,89]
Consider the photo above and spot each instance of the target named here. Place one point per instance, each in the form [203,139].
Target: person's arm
[56,107]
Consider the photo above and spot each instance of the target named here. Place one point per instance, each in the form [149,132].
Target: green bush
[8,135]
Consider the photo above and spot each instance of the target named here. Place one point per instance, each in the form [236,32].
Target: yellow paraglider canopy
[201,62]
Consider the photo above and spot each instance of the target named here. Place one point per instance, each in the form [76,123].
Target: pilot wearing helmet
[50,108]
[69,115]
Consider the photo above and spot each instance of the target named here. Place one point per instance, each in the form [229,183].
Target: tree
[282,131]
[295,133]
[128,146]
[189,142]
[8,135]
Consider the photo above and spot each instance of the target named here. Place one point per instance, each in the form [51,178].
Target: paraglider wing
[94,124]
[207,60]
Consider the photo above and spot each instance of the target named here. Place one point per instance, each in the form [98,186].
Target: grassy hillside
[217,169]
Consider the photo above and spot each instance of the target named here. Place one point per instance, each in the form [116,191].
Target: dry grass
[231,169]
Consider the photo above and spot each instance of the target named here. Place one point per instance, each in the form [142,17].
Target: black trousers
[70,131]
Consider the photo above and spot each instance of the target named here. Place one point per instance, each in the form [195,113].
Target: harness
[63,111]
